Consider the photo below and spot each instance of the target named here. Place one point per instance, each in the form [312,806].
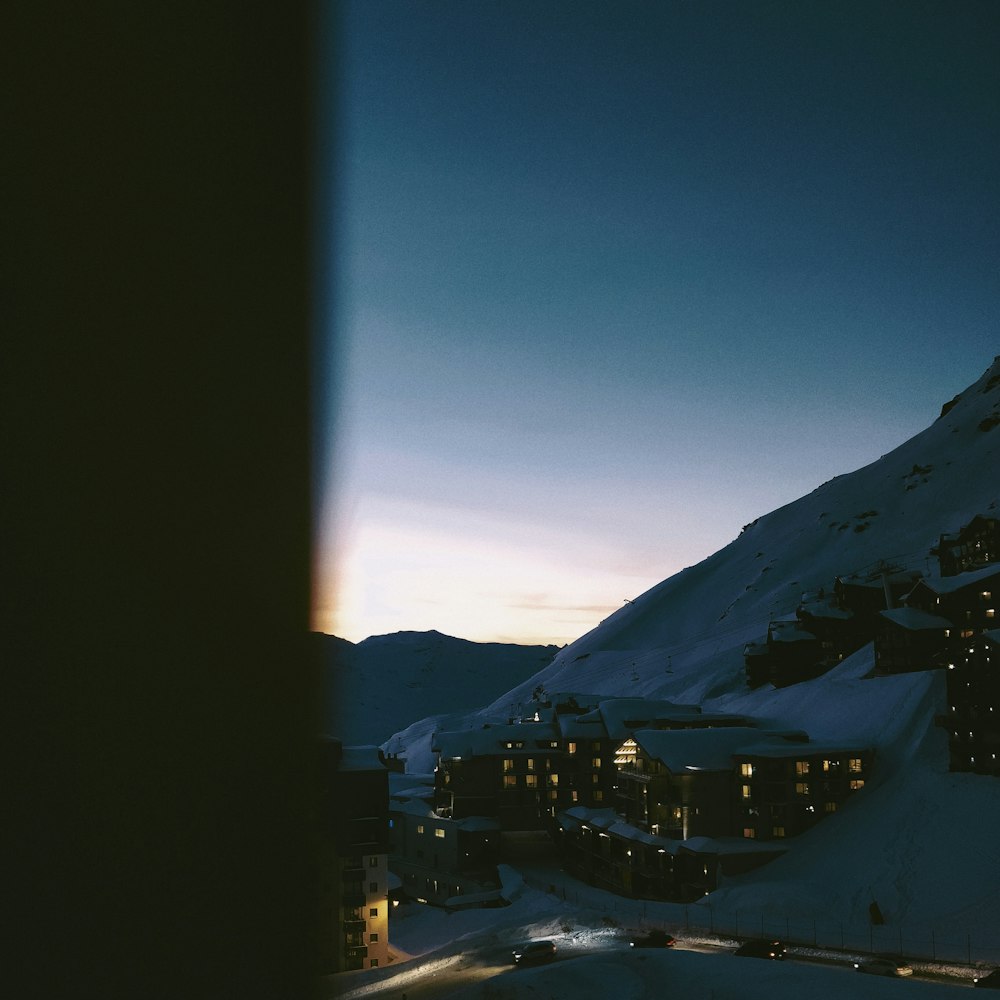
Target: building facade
[354,851]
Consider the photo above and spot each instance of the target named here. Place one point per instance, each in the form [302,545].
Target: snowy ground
[466,955]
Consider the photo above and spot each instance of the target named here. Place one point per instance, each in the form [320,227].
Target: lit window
[553,779]
[749,832]
[531,780]
[830,807]
[857,783]
[571,747]
[508,763]
[598,796]
[439,832]
[777,831]
[420,828]
[553,794]
[373,938]
[531,763]
[802,788]
[595,779]
[374,963]
[373,862]
[991,613]
[574,795]
[986,595]
[802,767]
[746,770]
[595,762]
[510,781]
[854,765]
[746,791]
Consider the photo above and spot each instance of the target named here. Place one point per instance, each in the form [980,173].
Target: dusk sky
[611,280]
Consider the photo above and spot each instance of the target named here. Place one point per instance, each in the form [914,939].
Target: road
[441,975]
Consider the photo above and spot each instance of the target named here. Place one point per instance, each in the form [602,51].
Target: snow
[432,947]
[917,839]
[915,620]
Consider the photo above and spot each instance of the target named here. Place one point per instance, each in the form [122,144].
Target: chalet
[976,545]
[973,719]
[784,788]
[910,639]
[968,600]
[592,740]
[789,654]
[523,773]
[840,630]
[694,804]
[679,784]
[353,852]
[508,772]
[874,590]
[757,662]
[443,861]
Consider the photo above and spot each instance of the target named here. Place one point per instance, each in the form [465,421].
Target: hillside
[683,640]
[431,673]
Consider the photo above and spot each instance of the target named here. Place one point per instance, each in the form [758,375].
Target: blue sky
[611,280]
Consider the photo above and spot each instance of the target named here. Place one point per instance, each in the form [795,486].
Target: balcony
[353,875]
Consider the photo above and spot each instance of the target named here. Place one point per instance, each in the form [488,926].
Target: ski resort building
[354,849]
[973,718]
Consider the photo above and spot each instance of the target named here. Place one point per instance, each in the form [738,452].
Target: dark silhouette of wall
[160,708]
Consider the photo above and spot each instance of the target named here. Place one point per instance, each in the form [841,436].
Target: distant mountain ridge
[435,673]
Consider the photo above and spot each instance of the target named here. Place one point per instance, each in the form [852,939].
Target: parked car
[654,939]
[762,949]
[883,967]
[991,981]
[534,951]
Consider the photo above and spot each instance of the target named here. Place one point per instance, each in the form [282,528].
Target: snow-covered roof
[824,607]
[410,807]
[608,821]
[949,584]
[915,620]
[683,750]
[784,748]
[589,726]
[622,715]
[469,743]
[789,631]
[724,846]
[576,816]
[473,899]
[604,820]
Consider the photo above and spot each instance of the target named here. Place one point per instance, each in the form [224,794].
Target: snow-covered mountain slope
[683,640]
[379,685]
